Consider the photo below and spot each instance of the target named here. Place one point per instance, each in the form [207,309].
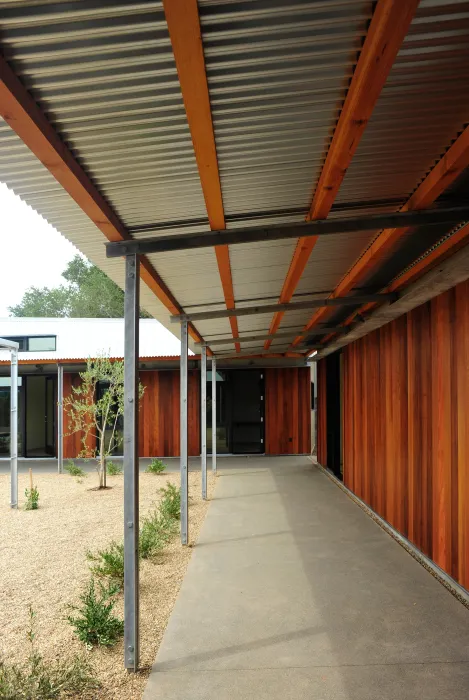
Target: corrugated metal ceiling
[104,73]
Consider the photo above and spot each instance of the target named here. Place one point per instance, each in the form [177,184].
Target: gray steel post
[60,419]
[214,415]
[14,429]
[203,419]
[183,436]
[131,471]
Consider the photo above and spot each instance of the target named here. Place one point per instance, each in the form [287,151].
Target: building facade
[260,410]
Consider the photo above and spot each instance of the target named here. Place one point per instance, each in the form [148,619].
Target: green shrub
[109,563]
[170,504]
[113,469]
[95,624]
[75,470]
[156,466]
[155,533]
[40,679]
[32,498]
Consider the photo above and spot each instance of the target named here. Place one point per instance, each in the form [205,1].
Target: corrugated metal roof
[420,111]
[104,73]
[79,338]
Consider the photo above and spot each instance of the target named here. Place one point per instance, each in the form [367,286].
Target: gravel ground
[43,563]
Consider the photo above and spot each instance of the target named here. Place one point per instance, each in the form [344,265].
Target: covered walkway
[294,592]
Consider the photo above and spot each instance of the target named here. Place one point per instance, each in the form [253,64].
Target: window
[35,343]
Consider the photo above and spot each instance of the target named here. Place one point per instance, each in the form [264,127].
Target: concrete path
[293,592]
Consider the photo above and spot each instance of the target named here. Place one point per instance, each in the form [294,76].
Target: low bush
[170,504]
[74,470]
[155,533]
[32,499]
[95,623]
[113,469]
[156,466]
[41,679]
[109,563]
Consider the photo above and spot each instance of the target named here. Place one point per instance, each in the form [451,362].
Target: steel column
[183,436]
[131,463]
[60,419]
[203,419]
[214,415]
[14,428]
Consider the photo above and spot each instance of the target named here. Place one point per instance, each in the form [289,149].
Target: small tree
[93,413]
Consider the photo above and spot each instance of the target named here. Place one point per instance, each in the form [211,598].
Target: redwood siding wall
[288,410]
[406,426]
[73,444]
[322,413]
[287,413]
[159,414]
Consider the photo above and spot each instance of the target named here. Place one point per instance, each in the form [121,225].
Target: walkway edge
[460,593]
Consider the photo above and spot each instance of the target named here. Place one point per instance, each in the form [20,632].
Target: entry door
[247,417]
[51,412]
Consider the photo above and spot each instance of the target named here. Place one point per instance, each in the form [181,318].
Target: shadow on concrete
[191,659]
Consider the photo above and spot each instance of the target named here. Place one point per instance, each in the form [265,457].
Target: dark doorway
[40,416]
[240,412]
[247,412]
[334,413]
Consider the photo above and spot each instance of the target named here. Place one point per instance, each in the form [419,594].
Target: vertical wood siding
[406,426]
[322,413]
[288,410]
[73,442]
[287,413]
[160,413]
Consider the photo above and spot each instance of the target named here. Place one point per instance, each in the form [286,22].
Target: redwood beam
[388,27]
[445,172]
[182,17]
[27,120]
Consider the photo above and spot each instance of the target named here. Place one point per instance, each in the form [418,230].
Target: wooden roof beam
[388,27]
[445,172]
[27,120]
[182,17]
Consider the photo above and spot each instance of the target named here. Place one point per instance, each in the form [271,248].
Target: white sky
[32,252]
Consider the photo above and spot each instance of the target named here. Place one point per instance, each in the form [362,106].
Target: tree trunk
[102,464]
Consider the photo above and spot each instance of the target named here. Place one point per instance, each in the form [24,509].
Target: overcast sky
[32,252]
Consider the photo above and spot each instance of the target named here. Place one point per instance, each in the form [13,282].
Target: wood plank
[182,17]
[388,27]
[462,379]
[441,447]
[288,410]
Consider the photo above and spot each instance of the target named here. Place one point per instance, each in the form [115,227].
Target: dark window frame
[23,341]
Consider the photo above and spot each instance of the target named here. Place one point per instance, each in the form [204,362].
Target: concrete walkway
[293,592]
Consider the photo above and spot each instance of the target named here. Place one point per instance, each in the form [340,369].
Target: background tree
[95,413]
[89,293]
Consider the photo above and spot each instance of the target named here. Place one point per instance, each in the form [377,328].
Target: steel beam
[60,419]
[262,336]
[14,428]
[203,419]
[214,415]
[131,463]
[292,306]
[184,436]
[259,234]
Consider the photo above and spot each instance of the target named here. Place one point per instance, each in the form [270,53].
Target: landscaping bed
[44,565]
